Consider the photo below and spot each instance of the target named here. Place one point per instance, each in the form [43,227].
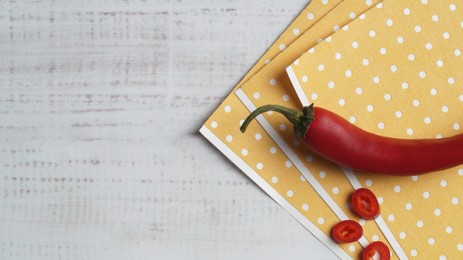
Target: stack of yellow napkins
[391,67]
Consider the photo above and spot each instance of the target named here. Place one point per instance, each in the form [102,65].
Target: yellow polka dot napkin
[396,71]
[261,157]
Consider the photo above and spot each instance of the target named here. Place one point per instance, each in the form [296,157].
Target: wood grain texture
[100,156]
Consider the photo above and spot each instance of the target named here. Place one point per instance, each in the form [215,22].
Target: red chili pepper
[346,231]
[365,203]
[376,247]
[336,139]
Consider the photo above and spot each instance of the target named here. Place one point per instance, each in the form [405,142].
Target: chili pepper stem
[300,119]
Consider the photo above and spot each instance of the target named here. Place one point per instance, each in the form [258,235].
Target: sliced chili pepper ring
[376,247]
[365,203]
[346,231]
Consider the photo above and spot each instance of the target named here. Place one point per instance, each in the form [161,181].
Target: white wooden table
[100,155]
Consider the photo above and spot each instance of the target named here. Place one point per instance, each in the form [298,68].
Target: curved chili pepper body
[338,140]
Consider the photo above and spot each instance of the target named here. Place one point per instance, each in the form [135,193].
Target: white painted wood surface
[100,156]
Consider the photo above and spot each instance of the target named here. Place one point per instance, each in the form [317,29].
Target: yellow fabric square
[396,71]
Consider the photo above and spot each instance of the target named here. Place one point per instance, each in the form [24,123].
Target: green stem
[300,119]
